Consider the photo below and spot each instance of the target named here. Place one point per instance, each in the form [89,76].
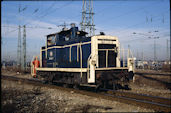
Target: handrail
[131,54]
[88,68]
[128,55]
[81,63]
[32,66]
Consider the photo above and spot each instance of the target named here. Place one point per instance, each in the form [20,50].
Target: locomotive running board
[88,85]
[112,68]
[63,69]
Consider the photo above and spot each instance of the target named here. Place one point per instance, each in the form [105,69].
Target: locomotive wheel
[126,87]
[44,81]
[114,86]
[50,78]
[76,86]
[65,85]
[131,75]
[97,88]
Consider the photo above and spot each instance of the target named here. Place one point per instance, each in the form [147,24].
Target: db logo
[51,53]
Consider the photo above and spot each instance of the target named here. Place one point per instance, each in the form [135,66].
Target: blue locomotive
[71,57]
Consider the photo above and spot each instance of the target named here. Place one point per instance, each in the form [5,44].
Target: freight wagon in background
[72,58]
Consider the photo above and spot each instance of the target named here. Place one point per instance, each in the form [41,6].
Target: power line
[99,12]
[136,24]
[60,7]
[137,39]
[129,12]
[47,10]
[41,17]
[35,27]
[7,33]
[35,12]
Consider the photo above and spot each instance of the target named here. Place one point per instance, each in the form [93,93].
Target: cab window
[51,40]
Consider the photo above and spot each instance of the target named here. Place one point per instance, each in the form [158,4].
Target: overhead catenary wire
[130,12]
[31,27]
[35,27]
[143,38]
[47,10]
[63,6]
[41,17]
[46,15]
[58,26]
[35,12]
[127,13]
[99,12]
[11,31]
[137,39]
[123,30]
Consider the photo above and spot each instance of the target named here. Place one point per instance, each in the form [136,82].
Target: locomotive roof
[65,32]
[107,36]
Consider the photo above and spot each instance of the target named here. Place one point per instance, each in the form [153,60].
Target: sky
[132,21]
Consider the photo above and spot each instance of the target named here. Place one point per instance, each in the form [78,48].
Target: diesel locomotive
[73,58]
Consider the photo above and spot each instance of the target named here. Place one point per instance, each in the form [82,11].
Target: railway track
[158,104]
[144,97]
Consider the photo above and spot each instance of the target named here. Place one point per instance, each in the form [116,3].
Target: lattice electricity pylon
[87,23]
[19,49]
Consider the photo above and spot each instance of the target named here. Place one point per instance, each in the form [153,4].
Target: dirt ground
[19,97]
[23,97]
[152,83]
